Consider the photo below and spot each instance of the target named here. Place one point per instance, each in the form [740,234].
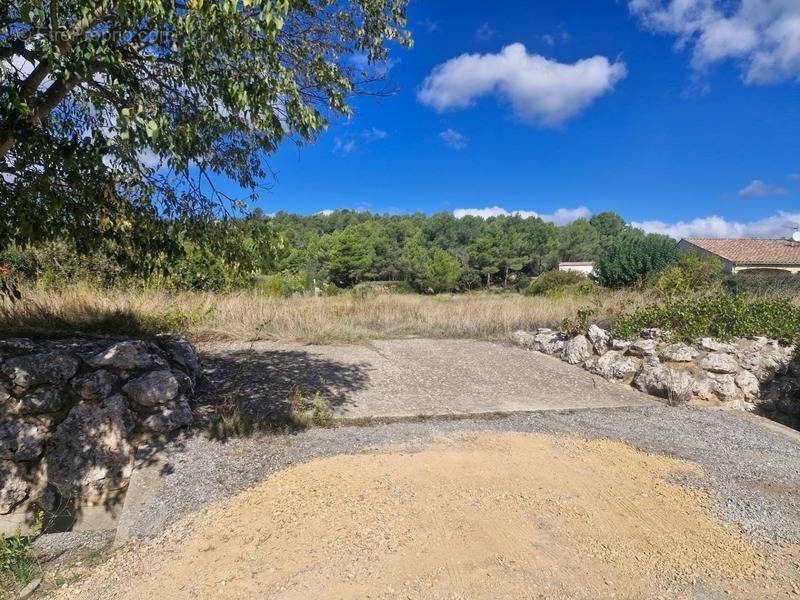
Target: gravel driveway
[751,468]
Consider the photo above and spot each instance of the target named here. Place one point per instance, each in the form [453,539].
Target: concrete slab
[407,378]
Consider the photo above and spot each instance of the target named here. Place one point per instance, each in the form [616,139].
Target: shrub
[578,325]
[723,316]
[279,286]
[692,273]
[553,280]
[633,257]
[330,289]
[764,281]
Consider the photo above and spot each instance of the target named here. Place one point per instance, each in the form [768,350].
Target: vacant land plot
[248,315]
[501,515]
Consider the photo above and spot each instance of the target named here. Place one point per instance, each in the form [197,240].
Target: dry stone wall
[72,413]
[754,374]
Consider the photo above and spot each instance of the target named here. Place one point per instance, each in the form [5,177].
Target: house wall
[583,269]
[789,268]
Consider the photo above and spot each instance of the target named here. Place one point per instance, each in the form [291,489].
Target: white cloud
[540,90]
[344,147]
[562,216]
[430,25]
[373,134]
[454,139]
[762,35]
[326,212]
[778,225]
[485,33]
[759,189]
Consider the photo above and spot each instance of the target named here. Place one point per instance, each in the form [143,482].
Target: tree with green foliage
[577,241]
[608,224]
[484,255]
[442,272]
[112,111]
[351,257]
[634,256]
[413,259]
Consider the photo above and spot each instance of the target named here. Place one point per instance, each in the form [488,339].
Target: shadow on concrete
[259,385]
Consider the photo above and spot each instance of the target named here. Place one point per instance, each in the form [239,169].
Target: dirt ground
[511,515]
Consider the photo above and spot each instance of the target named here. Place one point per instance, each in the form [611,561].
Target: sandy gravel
[506,515]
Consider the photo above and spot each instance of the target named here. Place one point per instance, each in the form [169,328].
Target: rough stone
[678,353]
[749,385]
[153,389]
[4,393]
[185,382]
[599,338]
[524,339]
[614,366]
[40,369]
[788,405]
[549,342]
[763,366]
[620,345]
[95,386]
[719,362]
[11,346]
[171,417]
[708,344]
[577,350]
[20,441]
[13,487]
[644,347]
[664,382]
[774,389]
[651,333]
[181,352]
[722,387]
[91,454]
[44,400]
[127,356]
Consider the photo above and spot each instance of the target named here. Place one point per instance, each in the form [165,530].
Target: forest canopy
[433,253]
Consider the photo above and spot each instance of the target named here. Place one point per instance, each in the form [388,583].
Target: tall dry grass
[247,315]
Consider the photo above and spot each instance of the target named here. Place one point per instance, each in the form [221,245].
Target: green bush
[692,273]
[578,325]
[279,286]
[722,316]
[331,289]
[554,280]
[632,258]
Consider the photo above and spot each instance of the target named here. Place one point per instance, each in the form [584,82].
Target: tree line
[430,253]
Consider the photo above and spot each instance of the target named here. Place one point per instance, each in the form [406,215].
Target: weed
[230,422]
[304,414]
[18,566]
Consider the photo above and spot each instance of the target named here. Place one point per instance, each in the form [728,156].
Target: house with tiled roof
[747,254]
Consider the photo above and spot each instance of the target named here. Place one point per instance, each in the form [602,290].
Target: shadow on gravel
[253,390]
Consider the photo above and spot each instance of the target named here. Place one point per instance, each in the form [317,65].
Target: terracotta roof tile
[751,251]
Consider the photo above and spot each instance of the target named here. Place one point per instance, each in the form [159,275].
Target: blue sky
[681,116]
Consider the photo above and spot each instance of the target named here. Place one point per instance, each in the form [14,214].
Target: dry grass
[206,316]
